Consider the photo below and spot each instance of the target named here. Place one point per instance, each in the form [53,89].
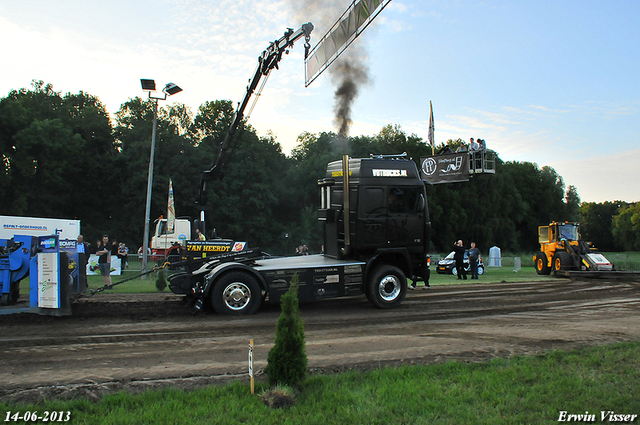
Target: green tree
[211,123]
[310,158]
[539,200]
[572,203]
[287,359]
[248,202]
[626,227]
[393,140]
[308,163]
[57,155]
[596,223]
[173,159]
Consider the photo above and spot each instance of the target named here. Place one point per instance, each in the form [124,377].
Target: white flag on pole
[432,128]
[171,212]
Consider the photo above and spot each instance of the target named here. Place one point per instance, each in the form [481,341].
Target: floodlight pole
[147,214]
[169,89]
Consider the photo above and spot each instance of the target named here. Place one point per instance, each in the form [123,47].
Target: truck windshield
[162,228]
[405,200]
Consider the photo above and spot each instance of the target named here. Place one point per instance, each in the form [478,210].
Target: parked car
[448,265]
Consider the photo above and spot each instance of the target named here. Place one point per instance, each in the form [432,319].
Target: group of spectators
[104,250]
[477,145]
[473,253]
[302,250]
[104,247]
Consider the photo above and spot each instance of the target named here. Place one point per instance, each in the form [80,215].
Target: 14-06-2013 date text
[46,416]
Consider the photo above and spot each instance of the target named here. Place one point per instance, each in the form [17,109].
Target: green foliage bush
[287,360]
[161,282]
[278,397]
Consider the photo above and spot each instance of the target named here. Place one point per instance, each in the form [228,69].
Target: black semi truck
[374,239]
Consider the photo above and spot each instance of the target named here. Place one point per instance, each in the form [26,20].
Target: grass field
[520,390]
[629,260]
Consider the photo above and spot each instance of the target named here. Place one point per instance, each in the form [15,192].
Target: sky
[556,83]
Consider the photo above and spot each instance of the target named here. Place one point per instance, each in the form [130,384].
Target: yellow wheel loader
[561,248]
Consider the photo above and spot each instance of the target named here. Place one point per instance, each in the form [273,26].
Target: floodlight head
[171,89]
[148,85]
[156,95]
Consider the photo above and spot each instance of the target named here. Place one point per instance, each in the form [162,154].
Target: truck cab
[388,215]
[163,239]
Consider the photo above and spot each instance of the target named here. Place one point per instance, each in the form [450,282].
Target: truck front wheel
[236,294]
[387,287]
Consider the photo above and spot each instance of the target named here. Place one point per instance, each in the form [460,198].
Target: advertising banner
[200,249]
[445,168]
[48,280]
[33,226]
[94,270]
[71,248]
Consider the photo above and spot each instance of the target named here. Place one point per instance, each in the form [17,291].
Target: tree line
[64,157]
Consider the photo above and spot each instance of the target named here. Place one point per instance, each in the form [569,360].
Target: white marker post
[251,364]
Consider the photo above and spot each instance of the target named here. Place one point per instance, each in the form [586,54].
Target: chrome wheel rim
[236,296]
[389,288]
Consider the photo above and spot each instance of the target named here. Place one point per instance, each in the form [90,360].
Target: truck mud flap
[181,283]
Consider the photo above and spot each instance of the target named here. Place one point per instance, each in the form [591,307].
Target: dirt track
[115,342]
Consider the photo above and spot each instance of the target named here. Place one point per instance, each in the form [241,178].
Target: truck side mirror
[419,205]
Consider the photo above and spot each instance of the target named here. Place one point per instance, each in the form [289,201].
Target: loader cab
[557,232]
[568,231]
[387,207]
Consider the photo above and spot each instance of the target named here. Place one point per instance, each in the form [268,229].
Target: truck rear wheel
[561,261]
[387,287]
[541,263]
[236,294]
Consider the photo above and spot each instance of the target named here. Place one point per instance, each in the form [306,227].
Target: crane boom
[268,60]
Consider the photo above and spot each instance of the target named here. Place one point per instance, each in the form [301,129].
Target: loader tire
[541,263]
[561,261]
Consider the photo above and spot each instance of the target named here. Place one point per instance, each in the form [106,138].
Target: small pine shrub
[287,360]
[161,282]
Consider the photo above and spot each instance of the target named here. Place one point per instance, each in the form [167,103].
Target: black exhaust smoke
[347,75]
[350,71]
